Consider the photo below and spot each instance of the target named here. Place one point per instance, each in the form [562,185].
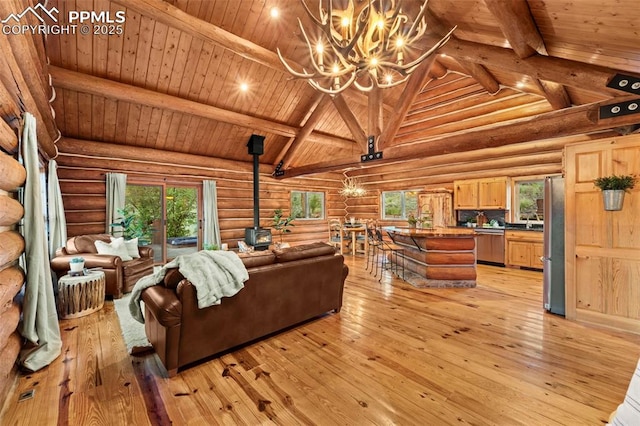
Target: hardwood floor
[393,355]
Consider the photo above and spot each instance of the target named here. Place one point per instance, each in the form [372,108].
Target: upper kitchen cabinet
[484,194]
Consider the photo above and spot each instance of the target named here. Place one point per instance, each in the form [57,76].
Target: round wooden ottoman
[80,295]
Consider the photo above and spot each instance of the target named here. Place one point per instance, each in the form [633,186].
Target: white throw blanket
[214,273]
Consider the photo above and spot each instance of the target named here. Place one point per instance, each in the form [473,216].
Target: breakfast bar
[444,257]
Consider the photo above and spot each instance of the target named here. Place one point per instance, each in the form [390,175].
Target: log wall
[82,183]
[12,176]
[525,159]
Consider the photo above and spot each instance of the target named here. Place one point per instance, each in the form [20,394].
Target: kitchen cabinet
[523,248]
[465,194]
[440,205]
[481,194]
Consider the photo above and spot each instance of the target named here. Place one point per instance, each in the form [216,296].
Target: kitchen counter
[445,257]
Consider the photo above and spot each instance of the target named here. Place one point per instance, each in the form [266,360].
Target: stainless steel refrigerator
[553,260]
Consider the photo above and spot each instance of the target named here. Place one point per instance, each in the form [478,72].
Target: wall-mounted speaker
[256,145]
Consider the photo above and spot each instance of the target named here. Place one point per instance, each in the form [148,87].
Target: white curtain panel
[211,227]
[39,316]
[57,220]
[116,191]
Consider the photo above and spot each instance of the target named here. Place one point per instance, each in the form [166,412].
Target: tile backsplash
[465,215]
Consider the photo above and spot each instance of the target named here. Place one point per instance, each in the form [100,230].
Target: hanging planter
[613,199]
[613,188]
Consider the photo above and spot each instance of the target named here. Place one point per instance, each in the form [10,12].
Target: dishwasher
[490,245]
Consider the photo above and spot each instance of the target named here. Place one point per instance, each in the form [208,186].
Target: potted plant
[281,223]
[613,188]
[76,265]
[412,221]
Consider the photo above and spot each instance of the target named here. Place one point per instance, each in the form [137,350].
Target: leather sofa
[120,277]
[285,287]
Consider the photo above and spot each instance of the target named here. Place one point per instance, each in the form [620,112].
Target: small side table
[80,295]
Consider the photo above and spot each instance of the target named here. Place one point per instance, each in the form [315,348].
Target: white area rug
[132,331]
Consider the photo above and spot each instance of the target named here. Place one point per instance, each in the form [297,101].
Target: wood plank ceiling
[514,71]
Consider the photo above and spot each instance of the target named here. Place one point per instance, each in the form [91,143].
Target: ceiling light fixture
[351,188]
[364,46]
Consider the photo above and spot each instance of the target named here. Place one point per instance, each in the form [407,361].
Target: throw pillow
[132,247]
[115,248]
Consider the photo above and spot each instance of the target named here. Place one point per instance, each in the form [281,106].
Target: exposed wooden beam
[517,24]
[482,76]
[555,93]
[85,148]
[479,155]
[568,73]
[412,89]
[315,101]
[374,114]
[25,52]
[438,70]
[570,121]
[306,130]
[72,80]
[14,75]
[351,121]
[411,170]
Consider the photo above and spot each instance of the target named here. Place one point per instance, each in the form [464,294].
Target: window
[529,195]
[399,204]
[307,205]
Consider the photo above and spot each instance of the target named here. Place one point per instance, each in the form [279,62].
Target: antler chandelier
[351,188]
[370,47]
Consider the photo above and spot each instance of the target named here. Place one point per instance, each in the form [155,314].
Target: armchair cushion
[131,246]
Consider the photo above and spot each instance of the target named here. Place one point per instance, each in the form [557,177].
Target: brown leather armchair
[120,277]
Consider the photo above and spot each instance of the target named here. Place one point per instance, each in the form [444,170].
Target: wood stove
[259,238]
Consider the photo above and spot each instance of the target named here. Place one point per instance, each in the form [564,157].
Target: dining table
[355,229]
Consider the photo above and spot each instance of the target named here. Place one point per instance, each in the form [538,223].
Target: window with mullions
[529,196]
[399,204]
[307,205]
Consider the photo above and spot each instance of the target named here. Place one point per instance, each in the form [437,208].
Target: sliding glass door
[181,212]
[165,217]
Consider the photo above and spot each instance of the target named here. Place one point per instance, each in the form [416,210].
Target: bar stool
[373,250]
[393,250]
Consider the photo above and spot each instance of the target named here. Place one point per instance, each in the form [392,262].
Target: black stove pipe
[256,192]
[256,148]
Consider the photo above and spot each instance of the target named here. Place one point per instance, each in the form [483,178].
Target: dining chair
[336,235]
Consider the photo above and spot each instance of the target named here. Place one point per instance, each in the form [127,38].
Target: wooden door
[465,194]
[492,193]
[602,247]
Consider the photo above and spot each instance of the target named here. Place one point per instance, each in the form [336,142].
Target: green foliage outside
[182,212]
[307,205]
[400,204]
[142,212]
[528,194]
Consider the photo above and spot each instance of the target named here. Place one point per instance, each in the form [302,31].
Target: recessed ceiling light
[519,85]
[244,87]
[275,12]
